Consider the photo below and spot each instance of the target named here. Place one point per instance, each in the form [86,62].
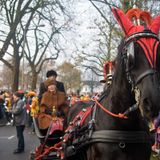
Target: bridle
[110,135]
[129,41]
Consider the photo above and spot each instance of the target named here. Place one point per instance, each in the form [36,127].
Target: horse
[119,119]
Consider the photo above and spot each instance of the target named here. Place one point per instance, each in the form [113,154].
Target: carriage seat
[43,122]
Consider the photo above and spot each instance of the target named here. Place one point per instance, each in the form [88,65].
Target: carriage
[115,127]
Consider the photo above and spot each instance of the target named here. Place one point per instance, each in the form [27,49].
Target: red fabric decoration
[149,45]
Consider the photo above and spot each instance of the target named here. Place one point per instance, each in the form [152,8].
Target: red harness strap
[149,46]
[119,115]
[47,150]
[78,120]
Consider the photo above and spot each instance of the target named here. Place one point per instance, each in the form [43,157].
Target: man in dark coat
[19,120]
[51,74]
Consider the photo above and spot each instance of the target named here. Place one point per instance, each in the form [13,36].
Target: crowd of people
[19,108]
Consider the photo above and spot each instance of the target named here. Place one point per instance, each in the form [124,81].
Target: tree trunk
[15,84]
[34,79]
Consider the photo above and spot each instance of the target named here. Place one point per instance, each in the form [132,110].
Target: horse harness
[79,135]
[128,51]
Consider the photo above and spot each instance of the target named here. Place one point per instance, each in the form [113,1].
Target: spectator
[19,120]
[157,121]
[51,74]
[8,106]
[29,97]
[52,97]
[2,101]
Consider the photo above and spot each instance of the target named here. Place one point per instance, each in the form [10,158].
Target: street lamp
[23,51]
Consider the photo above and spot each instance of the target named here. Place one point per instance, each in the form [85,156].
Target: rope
[119,115]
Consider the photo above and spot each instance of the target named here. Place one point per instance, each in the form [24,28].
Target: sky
[81,33]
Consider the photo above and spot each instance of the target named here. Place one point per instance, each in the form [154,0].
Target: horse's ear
[155,26]
[123,20]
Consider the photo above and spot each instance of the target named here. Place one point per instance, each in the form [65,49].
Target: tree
[6,77]
[109,35]
[103,43]
[42,41]
[70,76]
[46,42]
[18,17]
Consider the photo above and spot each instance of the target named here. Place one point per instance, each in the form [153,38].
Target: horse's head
[142,75]
[141,58]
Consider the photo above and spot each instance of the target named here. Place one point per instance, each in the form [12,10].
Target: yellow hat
[31,94]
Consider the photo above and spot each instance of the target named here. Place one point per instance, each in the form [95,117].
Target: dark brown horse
[134,92]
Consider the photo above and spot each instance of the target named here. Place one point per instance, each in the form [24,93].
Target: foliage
[70,75]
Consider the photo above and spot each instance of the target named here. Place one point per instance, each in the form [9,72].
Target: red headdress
[107,70]
[139,15]
[125,20]
[127,25]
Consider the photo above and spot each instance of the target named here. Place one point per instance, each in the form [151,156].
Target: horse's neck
[119,98]
[117,101]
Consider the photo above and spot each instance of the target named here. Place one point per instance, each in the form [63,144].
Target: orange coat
[50,99]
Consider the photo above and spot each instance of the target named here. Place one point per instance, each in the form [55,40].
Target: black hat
[51,73]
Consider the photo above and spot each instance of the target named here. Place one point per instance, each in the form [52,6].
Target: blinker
[130,58]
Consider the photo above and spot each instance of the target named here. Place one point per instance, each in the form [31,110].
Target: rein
[119,115]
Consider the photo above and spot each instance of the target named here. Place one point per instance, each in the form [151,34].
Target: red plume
[155,26]
[146,17]
[123,20]
[134,14]
[139,15]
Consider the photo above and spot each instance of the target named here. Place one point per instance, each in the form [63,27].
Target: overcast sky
[81,33]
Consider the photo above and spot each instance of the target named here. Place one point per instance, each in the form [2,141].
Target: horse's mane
[121,88]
